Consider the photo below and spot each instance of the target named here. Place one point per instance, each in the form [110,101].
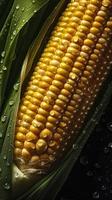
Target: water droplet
[17,7]
[16,86]
[35,11]
[14,32]
[23,20]
[89,173]
[52,113]
[11,37]
[6,186]
[8,164]
[109,126]
[1,61]
[106,150]
[3,54]
[63,124]
[15,24]
[84,132]
[100,179]
[8,135]
[4,68]
[83,160]
[16,175]
[23,9]
[33,1]
[11,103]
[1,135]
[3,118]
[75,146]
[4,157]
[97,166]
[103,187]
[110,144]
[96,195]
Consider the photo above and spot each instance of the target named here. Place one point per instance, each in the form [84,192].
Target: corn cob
[64,84]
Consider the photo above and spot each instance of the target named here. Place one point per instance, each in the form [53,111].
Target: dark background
[91,177]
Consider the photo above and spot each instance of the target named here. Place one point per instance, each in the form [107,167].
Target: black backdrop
[91,177]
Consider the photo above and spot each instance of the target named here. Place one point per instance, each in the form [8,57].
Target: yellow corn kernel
[65,83]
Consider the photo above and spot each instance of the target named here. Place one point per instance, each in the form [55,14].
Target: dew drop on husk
[35,11]
[8,135]
[4,68]
[11,37]
[3,54]
[1,135]
[1,61]
[17,7]
[11,103]
[33,1]
[3,118]
[7,186]
[14,32]
[16,87]
[23,9]
[75,147]
[8,164]
[4,157]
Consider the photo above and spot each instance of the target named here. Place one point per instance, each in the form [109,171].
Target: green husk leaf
[8,49]
[19,15]
[6,156]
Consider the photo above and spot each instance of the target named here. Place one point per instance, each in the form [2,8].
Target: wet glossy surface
[91,177]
